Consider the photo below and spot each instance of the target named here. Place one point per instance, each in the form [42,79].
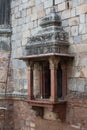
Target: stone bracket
[58,107]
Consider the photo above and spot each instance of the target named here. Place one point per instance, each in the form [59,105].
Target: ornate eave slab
[25,58]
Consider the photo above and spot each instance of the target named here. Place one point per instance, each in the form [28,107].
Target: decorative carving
[51,19]
[30,65]
[54,62]
[48,37]
[46,48]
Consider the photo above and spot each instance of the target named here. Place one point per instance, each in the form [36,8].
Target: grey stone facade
[25,20]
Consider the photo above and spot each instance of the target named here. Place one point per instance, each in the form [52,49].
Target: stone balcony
[48,48]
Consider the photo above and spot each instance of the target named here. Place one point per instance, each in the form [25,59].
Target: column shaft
[53,73]
[30,81]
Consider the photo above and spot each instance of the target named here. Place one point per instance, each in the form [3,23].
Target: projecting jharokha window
[47,80]
[4,12]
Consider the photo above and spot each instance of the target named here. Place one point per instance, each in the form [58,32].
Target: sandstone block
[82,18]
[48,10]
[29,11]
[65,23]
[74,21]
[72,84]
[24,13]
[24,1]
[66,14]
[75,3]
[62,6]
[74,30]
[41,14]
[37,2]
[73,12]
[80,83]
[77,39]
[84,72]
[84,37]
[82,29]
[86,17]
[33,16]
[83,59]
[48,3]
[32,124]
[58,1]
[82,9]
[31,3]
[18,15]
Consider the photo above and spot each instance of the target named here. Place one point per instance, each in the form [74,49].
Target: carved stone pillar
[53,73]
[64,79]
[30,80]
[41,86]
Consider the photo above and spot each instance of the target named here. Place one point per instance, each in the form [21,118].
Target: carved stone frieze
[46,48]
[48,37]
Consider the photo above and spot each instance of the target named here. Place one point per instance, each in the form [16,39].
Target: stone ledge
[5,29]
[56,107]
[11,96]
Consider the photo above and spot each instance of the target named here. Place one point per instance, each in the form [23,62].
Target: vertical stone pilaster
[64,79]
[41,82]
[36,80]
[53,73]
[30,79]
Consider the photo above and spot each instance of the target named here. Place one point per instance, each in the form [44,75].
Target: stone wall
[25,18]
[5,59]
[26,15]
[19,116]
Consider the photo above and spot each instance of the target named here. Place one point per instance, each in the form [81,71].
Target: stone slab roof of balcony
[51,38]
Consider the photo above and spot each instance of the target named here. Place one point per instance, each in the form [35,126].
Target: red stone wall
[20,116]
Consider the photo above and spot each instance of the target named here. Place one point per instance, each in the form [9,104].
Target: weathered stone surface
[74,21]
[66,14]
[51,38]
[62,6]
[74,31]
[25,17]
[36,80]
[82,9]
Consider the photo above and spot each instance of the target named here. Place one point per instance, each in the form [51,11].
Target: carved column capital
[30,78]
[54,62]
[30,65]
[53,71]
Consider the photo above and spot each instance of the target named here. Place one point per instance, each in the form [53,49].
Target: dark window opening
[4,12]
[46,82]
[68,4]
[59,81]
